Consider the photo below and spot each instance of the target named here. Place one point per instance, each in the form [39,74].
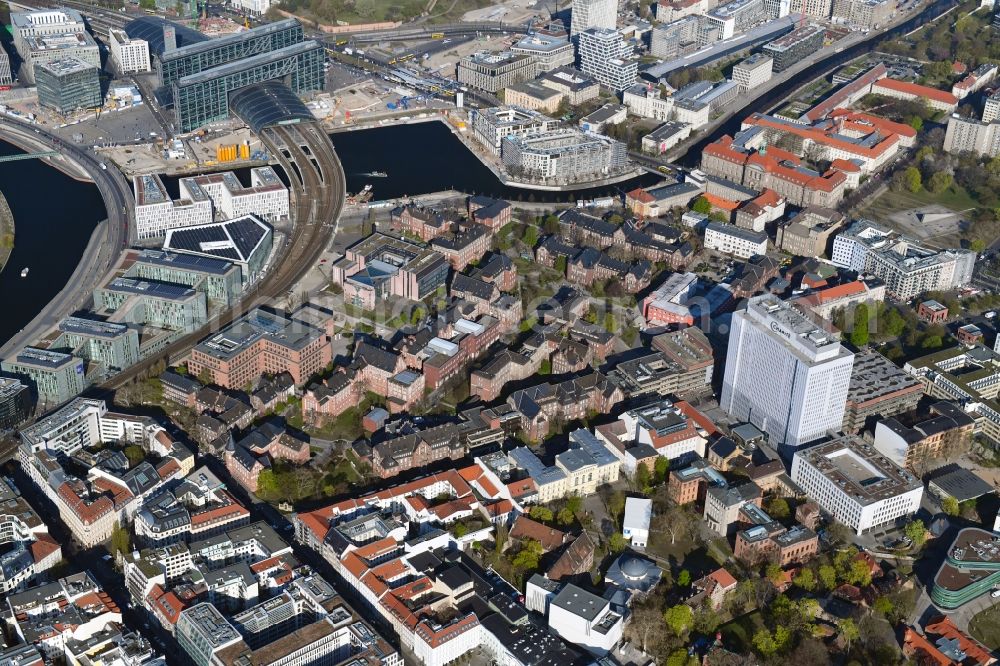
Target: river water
[54,217]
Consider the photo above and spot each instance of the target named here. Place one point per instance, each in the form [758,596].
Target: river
[54,217]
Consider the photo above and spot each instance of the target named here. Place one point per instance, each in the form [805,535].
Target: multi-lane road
[107,243]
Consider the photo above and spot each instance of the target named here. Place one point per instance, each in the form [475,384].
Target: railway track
[317,184]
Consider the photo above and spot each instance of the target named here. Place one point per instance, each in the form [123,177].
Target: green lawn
[955,198]
[985,627]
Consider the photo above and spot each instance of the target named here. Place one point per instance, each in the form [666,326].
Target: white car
[995,594]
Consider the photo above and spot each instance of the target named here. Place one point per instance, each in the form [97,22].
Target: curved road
[109,239]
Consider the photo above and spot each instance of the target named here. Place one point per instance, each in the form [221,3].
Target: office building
[675,39]
[739,242]
[906,268]
[795,46]
[813,8]
[753,72]
[879,389]
[51,34]
[380,266]
[864,14]
[586,620]
[563,156]
[15,403]
[220,280]
[533,96]
[604,55]
[587,14]
[261,342]
[809,233]
[113,347]
[856,484]
[156,212]
[267,196]
[991,108]
[493,72]
[939,100]
[972,135]
[160,304]
[54,377]
[548,51]
[732,18]
[68,84]
[491,126]
[202,632]
[665,137]
[681,366]
[576,86]
[6,76]
[914,442]
[246,242]
[784,373]
[128,56]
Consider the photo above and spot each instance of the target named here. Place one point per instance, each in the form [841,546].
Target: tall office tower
[606,57]
[593,14]
[784,373]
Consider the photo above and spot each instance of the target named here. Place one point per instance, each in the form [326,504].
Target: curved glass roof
[266,104]
[150,28]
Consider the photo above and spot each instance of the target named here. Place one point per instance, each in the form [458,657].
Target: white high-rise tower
[784,373]
[593,14]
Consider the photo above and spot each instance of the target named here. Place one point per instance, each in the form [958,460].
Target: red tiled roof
[916,90]
[43,547]
[720,202]
[723,578]
[526,528]
[971,647]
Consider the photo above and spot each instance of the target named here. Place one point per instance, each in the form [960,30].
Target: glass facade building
[204,97]
[175,64]
[68,84]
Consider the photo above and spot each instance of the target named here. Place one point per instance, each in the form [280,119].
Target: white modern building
[253,7]
[51,34]
[128,55]
[856,484]
[635,525]
[585,619]
[737,241]
[156,212]
[785,374]
[605,56]
[587,14]
[753,72]
[564,156]
[490,126]
[267,196]
[548,51]
[906,267]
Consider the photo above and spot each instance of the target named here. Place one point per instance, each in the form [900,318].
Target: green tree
[950,505]
[774,573]
[764,643]
[916,122]
[883,605]
[912,179]
[848,631]
[916,531]
[545,367]
[531,233]
[684,578]
[660,469]
[541,514]
[701,205]
[527,558]
[939,182]
[977,245]
[565,516]
[610,323]
[617,543]
[827,576]
[574,503]
[135,454]
[560,265]
[642,477]
[859,574]
[147,4]
[120,540]
[805,579]
[460,530]
[778,508]
[859,333]
[679,619]
[931,342]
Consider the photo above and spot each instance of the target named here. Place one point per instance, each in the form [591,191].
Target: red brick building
[491,213]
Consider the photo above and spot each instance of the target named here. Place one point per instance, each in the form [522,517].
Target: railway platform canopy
[268,104]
